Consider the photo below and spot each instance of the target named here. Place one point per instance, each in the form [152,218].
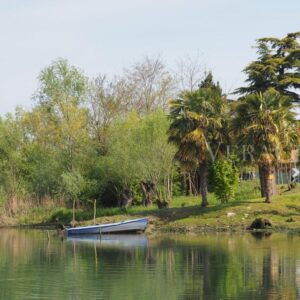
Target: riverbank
[186,215]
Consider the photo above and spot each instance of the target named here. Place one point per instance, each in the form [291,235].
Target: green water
[216,266]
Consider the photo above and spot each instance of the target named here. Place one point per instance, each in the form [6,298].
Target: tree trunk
[268,178]
[126,198]
[274,189]
[148,189]
[185,189]
[190,184]
[270,275]
[203,183]
[289,177]
[261,180]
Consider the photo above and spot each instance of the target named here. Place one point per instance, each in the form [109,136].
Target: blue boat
[134,225]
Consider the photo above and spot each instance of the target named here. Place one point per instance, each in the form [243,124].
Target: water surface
[215,266]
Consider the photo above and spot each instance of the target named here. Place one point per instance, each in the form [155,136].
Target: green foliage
[208,82]
[86,140]
[266,121]
[59,122]
[52,139]
[277,66]
[138,151]
[226,176]
[43,170]
[12,167]
[61,83]
[72,185]
[198,119]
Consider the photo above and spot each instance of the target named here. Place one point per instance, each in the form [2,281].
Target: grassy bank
[186,215]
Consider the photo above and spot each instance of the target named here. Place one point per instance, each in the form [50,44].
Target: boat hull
[125,226]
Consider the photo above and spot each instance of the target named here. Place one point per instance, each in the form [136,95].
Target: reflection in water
[111,240]
[219,266]
[261,234]
[297,278]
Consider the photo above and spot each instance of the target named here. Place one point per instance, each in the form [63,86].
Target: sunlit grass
[186,214]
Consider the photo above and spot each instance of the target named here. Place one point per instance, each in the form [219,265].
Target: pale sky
[105,36]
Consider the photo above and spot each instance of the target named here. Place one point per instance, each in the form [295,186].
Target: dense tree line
[149,134]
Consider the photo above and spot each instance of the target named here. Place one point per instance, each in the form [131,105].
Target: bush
[225,179]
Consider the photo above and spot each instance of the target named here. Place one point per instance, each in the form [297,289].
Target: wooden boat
[124,226]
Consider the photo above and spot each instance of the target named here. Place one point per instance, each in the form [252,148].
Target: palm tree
[196,123]
[266,122]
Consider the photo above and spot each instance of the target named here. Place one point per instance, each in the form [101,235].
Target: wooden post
[96,257]
[73,213]
[281,174]
[95,207]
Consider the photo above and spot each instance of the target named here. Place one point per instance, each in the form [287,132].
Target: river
[212,266]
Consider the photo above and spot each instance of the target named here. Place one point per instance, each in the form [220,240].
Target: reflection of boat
[112,240]
[125,226]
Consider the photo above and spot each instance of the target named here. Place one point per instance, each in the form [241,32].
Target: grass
[185,213]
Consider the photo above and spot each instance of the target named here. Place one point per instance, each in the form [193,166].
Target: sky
[106,36]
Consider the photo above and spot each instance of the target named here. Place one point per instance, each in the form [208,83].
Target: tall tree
[58,143]
[277,66]
[59,119]
[189,74]
[149,85]
[196,121]
[106,102]
[12,168]
[208,82]
[139,154]
[60,83]
[265,120]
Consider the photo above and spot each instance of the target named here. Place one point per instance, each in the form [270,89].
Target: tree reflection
[180,267]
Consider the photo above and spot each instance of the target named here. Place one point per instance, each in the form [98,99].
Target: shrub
[225,179]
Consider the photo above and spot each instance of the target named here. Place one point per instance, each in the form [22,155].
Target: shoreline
[157,229]
[283,214]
